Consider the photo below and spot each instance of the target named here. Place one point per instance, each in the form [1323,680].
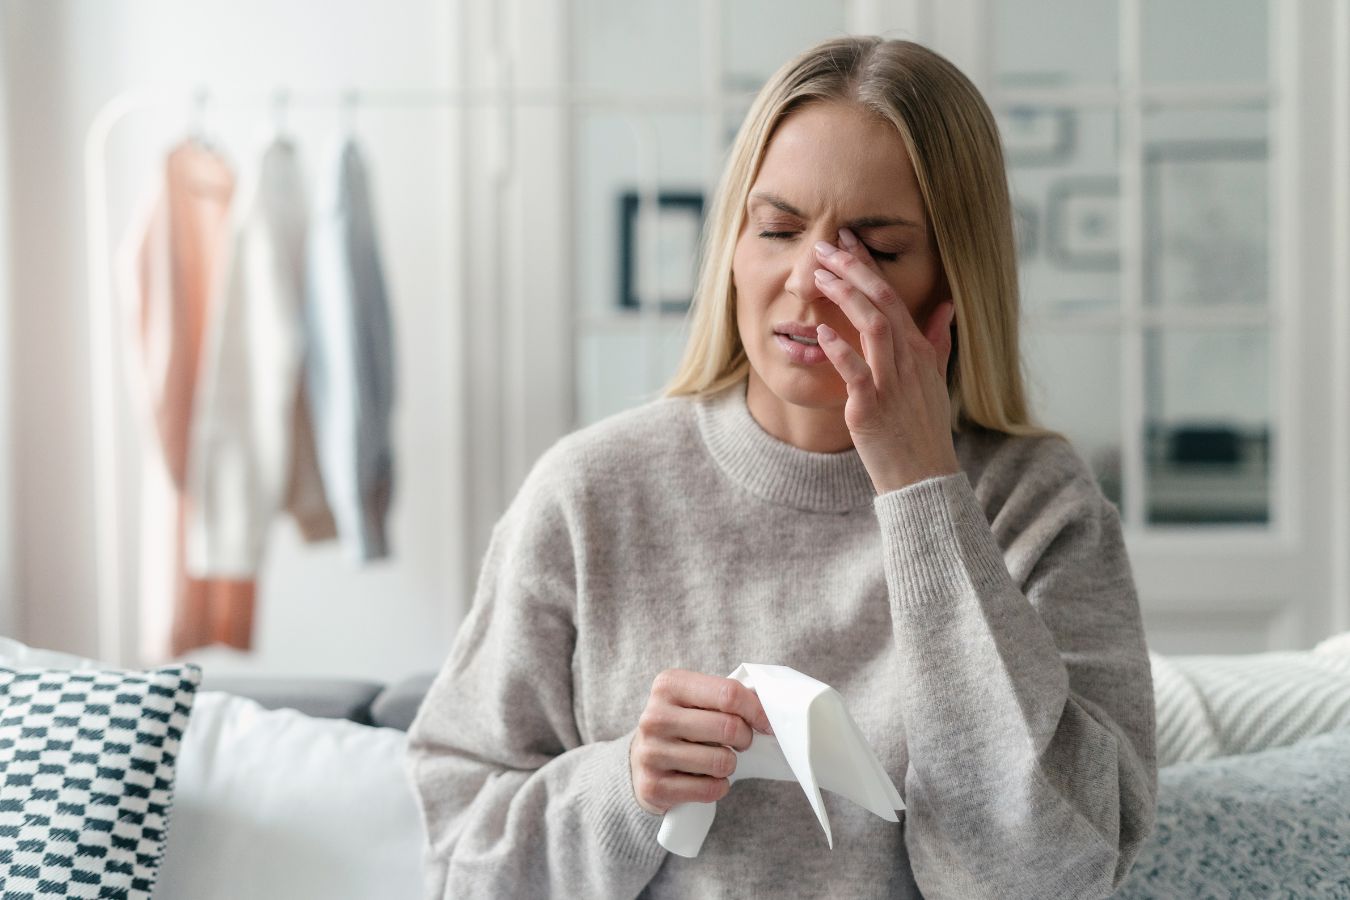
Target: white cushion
[21,656]
[1336,648]
[1224,705]
[277,804]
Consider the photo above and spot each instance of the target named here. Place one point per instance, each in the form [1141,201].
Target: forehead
[839,158]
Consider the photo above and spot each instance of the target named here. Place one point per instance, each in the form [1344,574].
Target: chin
[814,387]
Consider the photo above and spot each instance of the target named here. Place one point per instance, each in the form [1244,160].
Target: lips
[800,353]
[795,329]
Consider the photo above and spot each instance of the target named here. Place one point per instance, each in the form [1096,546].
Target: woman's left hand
[898,410]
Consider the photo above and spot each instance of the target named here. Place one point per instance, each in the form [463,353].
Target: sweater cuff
[610,807]
[936,540]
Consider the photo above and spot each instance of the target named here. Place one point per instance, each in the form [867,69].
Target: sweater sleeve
[1028,707]
[514,803]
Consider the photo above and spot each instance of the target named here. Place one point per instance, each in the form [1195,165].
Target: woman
[875,511]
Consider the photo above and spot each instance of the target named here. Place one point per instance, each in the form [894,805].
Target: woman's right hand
[683,749]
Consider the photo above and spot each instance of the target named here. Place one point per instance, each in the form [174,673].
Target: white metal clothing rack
[107,496]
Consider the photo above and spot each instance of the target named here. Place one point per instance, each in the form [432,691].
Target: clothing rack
[104,379]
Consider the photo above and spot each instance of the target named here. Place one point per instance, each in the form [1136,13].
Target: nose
[801,280]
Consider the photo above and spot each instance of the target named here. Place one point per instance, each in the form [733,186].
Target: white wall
[318,613]
[9,609]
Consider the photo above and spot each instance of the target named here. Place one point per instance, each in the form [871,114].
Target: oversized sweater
[982,628]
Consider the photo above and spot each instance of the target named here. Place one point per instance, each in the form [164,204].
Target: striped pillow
[1223,705]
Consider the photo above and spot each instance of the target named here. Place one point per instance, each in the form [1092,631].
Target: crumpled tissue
[815,743]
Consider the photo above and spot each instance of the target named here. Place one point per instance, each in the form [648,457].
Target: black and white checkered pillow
[87,763]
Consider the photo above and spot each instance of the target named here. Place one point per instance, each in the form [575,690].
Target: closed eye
[878,255]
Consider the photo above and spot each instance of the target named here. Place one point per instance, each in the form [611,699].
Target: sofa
[296,788]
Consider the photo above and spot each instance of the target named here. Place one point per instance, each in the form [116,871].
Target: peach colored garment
[175,258]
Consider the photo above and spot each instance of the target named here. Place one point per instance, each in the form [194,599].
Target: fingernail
[826,275]
[846,237]
[825,333]
[767,728]
[826,250]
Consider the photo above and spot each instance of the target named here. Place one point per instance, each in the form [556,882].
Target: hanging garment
[167,262]
[350,369]
[251,450]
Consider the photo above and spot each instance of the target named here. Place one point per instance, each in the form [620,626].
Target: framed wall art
[1083,223]
[679,228]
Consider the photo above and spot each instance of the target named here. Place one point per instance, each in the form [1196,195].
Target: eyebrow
[864,222]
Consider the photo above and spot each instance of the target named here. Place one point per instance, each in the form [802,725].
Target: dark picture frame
[680,229]
[1083,223]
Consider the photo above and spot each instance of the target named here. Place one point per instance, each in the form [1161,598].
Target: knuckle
[726,694]
[886,295]
[716,789]
[730,729]
[658,793]
[663,682]
[877,326]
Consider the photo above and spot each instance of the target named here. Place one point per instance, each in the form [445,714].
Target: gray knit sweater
[982,628]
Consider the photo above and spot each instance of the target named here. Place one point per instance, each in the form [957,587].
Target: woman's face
[828,165]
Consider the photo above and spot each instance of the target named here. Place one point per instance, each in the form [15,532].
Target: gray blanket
[1273,824]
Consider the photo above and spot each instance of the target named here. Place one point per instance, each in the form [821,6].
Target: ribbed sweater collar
[776,470]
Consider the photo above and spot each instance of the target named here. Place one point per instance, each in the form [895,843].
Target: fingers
[873,324]
[851,367]
[691,759]
[699,691]
[684,749]
[887,329]
[938,332]
[669,722]
[867,277]
[658,793]
[849,241]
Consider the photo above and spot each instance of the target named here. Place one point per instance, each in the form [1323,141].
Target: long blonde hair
[954,145]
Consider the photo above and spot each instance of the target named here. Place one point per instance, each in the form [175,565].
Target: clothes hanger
[197,124]
[281,98]
[350,100]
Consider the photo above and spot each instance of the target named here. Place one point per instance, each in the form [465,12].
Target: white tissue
[815,742]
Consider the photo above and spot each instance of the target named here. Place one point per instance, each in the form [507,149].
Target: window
[1140,152]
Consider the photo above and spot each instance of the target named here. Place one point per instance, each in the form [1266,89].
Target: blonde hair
[954,145]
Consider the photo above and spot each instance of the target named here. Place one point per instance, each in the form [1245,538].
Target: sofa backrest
[366,702]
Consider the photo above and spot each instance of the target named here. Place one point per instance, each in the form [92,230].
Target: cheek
[755,270]
[746,276]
